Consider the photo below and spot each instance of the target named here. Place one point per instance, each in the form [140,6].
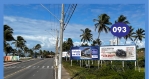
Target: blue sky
[31,21]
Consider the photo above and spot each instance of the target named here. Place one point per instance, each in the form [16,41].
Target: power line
[71,13]
[50,12]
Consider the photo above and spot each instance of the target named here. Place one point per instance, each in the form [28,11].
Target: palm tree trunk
[125,42]
[117,40]
[98,35]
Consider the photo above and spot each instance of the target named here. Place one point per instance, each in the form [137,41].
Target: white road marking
[47,66]
[37,66]
[34,66]
[42,66]
[23,67]
[52,67]
[28,66]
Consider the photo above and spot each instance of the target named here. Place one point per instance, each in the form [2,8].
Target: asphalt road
[35,69]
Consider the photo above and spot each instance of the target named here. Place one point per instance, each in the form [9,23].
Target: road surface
[35,69]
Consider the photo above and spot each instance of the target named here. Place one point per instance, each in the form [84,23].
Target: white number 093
[119,29]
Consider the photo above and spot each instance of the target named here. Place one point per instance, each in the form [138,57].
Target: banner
[118,53]
[65,54]
[90,52]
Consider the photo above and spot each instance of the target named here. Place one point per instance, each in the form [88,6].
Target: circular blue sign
[120,29]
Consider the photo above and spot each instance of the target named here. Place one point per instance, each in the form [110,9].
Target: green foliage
[67,44]
[105,72]
[86,36]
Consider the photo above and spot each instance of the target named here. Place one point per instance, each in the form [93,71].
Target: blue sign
[86,53]
[120,29]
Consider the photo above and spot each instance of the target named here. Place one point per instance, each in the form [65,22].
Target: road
[35,69]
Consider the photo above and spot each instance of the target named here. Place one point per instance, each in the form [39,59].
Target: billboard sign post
[118,52]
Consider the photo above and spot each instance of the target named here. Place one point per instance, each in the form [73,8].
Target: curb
[18,63]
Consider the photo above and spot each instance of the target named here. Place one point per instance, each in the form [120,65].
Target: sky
[37,26]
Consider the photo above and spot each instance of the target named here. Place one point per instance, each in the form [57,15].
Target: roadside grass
[142,69]
[107,71]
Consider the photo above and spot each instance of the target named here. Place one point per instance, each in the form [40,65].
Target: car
[120,53]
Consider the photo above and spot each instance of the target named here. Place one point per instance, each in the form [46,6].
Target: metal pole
[123,63]
[61,42]
[80,63]
[71,62]
[98,64]
[135,65]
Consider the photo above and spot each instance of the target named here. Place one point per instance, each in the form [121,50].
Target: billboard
[65,54]
[118,52]
[89,53]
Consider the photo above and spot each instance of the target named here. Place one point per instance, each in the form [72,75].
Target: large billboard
[118,52]
[85,53]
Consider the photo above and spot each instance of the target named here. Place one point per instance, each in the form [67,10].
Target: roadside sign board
[85,53]
[118,52]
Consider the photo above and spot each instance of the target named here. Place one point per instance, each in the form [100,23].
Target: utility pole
[56,55]
[61,42]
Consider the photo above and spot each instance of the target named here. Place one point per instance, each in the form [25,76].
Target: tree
[84,44]
[37,47]
[86,36]
[26,49]
[31,52]
[97,41]
[130,35]
[7,48]
[139,35]
[14,51]
[19,43]
[102,22]
[8,31]
[67,44]
[122,19]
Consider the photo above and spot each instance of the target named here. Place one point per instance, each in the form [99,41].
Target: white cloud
[34,32]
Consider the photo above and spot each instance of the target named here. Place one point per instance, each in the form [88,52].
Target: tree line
[102,25]
[20,45]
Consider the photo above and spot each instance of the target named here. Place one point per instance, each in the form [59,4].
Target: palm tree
[31,52]
[64,45]
[26,49]
[122,19]
[102,22]
[130,35]
[37,47]
[97,41]
[8,31]
[139,35]
[7,48]
[69,43]
[19,52]
[19,43]
[86,36]
[94,43]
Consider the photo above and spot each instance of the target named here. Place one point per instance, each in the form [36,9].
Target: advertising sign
[90,52]
[118,53]
[65,54]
